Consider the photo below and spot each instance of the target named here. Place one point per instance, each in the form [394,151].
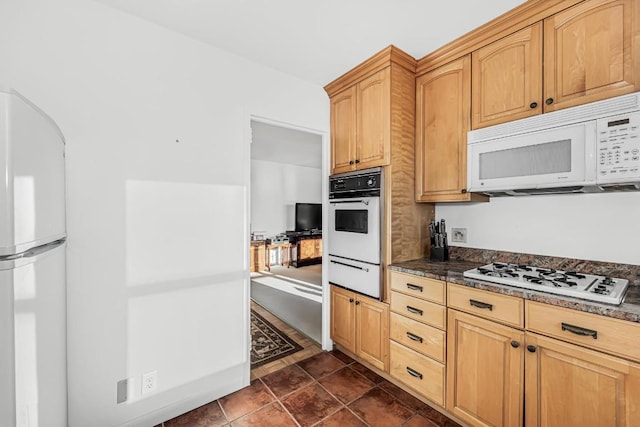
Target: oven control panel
[618,148]
[355,184]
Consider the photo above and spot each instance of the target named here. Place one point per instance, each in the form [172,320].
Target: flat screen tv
[308,216]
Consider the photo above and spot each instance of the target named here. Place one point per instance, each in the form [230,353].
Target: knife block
[439,254]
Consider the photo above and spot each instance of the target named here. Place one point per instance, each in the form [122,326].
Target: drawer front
[420,287]
[418,372]
[418,309]
[419,337]
[590,330]
[502,308]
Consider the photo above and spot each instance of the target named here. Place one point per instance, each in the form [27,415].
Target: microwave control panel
[618,148]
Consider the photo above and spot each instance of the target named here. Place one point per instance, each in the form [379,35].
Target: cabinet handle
[515,344]
[533,105]
[414,337]
[531,348]
[481,304]
[549,101]
[350,299]
[357,161]
[414,287]
[414,310]
[414,373]
[357,302]
[580,331]
[463,191]
[350,162]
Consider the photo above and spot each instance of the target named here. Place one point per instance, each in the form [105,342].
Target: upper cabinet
[591,52]
[443,105]
[364,103]
[507,78]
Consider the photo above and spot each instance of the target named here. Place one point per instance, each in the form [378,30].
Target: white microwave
[589,148]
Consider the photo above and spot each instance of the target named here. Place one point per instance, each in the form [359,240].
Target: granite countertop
[451,271]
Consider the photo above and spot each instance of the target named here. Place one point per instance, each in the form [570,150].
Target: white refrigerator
[33,371]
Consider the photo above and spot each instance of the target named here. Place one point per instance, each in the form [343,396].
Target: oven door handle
[366,202]
[365,269]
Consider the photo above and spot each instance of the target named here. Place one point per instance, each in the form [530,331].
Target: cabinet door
[343,131]
[343,318]
[307,249]
[318,248]
[485,368]
[507,78]
[591,52]
[374,120]
[372,332]
[569,386]
[443,102]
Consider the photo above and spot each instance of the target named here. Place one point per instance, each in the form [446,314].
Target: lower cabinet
[361,325]
[257,254]
[485,363]
[567,385]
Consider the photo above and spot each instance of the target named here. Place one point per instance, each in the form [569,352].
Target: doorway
[288,181]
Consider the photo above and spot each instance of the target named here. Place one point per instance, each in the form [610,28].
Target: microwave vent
[620,187]
[582,113]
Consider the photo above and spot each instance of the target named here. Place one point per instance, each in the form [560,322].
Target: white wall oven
[355,221]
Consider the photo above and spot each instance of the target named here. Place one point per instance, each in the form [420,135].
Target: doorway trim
[327,344]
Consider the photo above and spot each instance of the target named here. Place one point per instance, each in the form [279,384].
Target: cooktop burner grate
[570,283]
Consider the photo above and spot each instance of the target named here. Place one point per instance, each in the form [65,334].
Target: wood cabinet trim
[387,56]
[507,23]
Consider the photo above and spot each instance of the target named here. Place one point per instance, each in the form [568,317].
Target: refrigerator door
[33,357]
[32,189]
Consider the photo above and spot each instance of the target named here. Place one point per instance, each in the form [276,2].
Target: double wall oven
[355,228]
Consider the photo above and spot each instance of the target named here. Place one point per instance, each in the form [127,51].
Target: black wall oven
[355,227]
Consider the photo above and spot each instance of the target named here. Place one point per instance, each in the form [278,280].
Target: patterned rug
[268,343]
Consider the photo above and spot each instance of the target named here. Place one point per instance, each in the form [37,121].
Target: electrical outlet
[459,235]
[149,382]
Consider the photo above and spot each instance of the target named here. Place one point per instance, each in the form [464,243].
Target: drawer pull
[414,287]
[580,331]
[414,337]
[414,373]
[414,310]
[481,304]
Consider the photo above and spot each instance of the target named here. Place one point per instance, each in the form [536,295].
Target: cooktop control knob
[371,182]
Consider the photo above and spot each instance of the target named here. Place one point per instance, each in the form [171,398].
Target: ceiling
[320,40]
[283,145]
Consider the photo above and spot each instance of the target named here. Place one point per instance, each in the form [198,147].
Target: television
[308,216]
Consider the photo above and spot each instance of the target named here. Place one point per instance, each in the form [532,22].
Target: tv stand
[306,247]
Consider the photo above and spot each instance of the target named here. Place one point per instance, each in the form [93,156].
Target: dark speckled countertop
[463,259]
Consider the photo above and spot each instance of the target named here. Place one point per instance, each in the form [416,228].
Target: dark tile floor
[328,389]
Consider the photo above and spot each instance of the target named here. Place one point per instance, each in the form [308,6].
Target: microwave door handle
[365,269]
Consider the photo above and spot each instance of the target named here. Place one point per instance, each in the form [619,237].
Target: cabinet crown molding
[384,58]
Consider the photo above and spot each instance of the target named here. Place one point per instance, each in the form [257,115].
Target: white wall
[599,227]
[275,189]
[157,229]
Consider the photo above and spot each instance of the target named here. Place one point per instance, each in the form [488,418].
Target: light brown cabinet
[310,248]
[567,385]
[443,104]
[257,256]
[485,377]
[360,123]
[591,52]
[418,334]
[507,78]
[361,326]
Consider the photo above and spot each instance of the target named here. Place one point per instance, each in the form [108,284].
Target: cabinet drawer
[418,372]
[421,287]
[590,330]
[502,308]
[420,310]
[419,337]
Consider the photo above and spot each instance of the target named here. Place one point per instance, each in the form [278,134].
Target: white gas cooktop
[573,284]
